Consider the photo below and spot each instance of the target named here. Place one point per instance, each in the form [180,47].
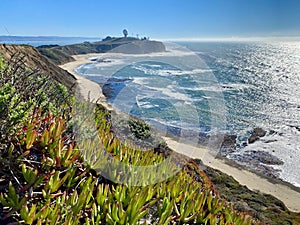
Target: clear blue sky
[154,18]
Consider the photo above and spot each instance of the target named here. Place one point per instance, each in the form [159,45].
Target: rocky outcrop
[256,134]
[259,157]
[34,60]
[228,145]
[259,161]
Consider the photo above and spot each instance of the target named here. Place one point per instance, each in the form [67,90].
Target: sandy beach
[90,90]
[289,196]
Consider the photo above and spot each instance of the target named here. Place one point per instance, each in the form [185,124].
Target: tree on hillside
[125,32]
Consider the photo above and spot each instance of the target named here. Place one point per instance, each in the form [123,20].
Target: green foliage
[22,91]
[63,54]
[57,187]
[2,64]
[140,129]
[135,131]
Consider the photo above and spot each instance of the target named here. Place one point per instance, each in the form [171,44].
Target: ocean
[44,40]
[209,88]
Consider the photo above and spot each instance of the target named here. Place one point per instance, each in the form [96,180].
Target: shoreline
[91,91]
[88,90]
[284,191]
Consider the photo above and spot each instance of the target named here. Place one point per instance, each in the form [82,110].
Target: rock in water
[258,161]
[228,145]
[256,134]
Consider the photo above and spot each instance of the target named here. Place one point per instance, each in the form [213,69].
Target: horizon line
[187,39]
[233,38]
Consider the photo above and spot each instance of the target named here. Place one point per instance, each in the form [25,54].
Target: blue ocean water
[205,88]
[44,40]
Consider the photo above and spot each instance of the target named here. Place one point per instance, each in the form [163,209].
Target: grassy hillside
[31,58]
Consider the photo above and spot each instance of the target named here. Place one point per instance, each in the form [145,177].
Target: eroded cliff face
[34,60]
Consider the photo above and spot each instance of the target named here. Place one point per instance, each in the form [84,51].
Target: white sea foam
[261,82]
[169,72]
[176,124]
[171,92]
[233,86]
[218,87]
[212,88]
[145,104]
[140,80]
[284,144]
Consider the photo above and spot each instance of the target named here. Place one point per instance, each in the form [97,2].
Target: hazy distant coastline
[44,40]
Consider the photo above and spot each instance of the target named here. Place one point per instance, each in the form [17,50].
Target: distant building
[125,32]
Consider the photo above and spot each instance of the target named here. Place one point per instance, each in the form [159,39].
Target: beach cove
[290,196]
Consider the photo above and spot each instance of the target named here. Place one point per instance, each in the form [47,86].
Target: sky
[161,19]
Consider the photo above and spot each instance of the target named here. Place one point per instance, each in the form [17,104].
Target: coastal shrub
[22,91]
[136,131]
[52,185]
[140,130]
[107,38]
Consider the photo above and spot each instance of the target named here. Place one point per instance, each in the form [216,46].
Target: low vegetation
[22,91]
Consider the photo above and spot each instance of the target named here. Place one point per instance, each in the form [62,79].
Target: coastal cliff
[33,59]
[63,54]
